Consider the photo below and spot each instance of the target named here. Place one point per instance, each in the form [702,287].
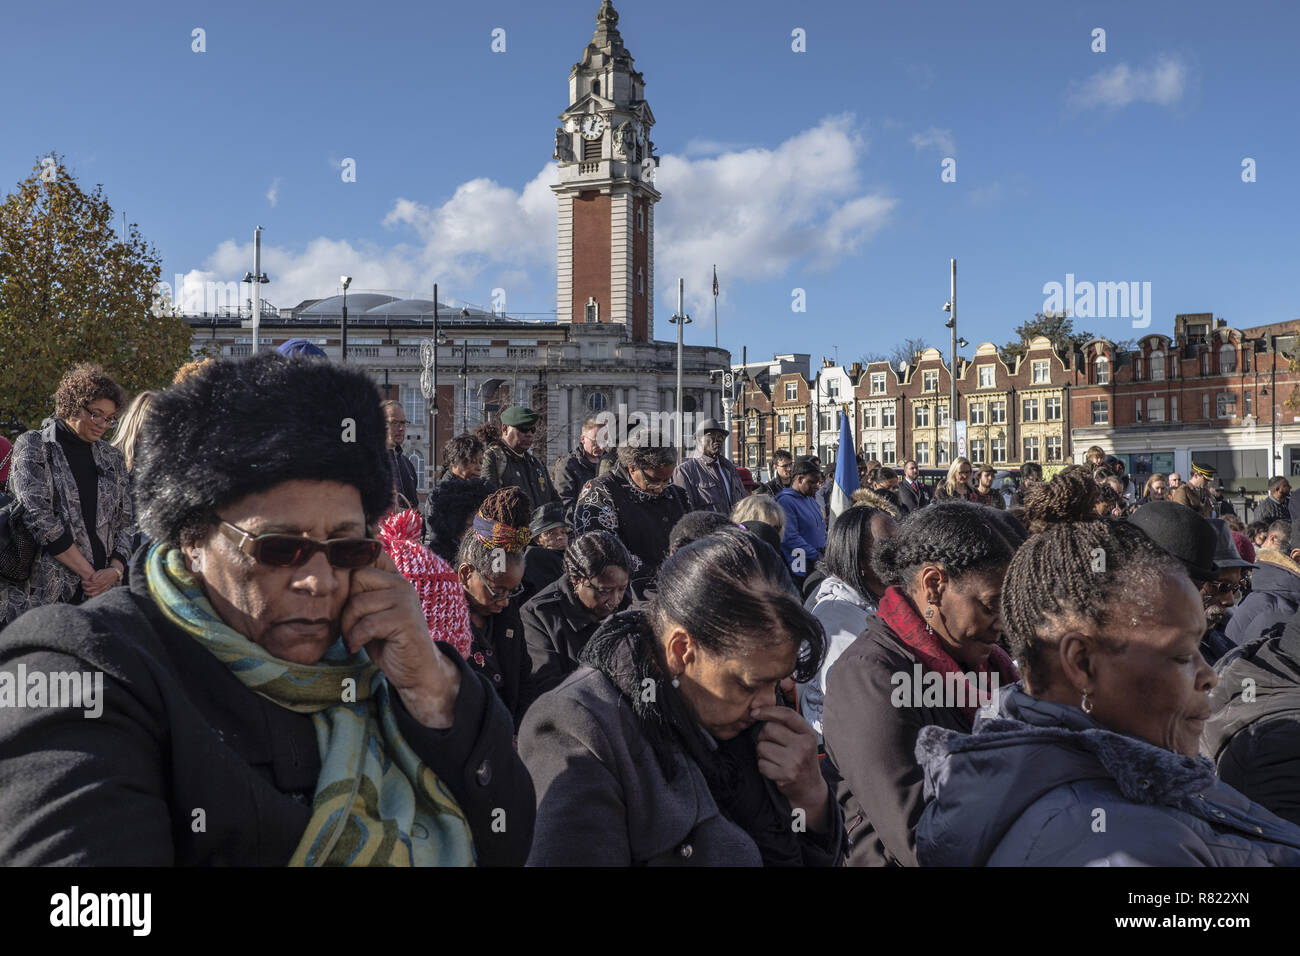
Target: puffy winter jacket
[844,614]
[1043,784]
[1253,736]
[1274,596]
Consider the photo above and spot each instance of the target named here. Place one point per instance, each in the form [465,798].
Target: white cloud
[757,213]
[711,147]
[273,194]
[1162,83]
[941,138]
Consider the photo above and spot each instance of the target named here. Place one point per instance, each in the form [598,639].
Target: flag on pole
[846,471]
[715,282]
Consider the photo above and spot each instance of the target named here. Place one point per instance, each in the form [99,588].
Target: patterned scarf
[376,803]
[897,611]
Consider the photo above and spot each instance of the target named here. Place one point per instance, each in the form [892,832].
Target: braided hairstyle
[590,554]
[509,506]
[1076,571]
[958,535]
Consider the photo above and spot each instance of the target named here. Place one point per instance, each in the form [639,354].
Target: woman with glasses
[957,486]
[560,618]
[490,565]
[266,688]
[75,496]
[638,503]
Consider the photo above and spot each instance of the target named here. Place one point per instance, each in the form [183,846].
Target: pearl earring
[676,682]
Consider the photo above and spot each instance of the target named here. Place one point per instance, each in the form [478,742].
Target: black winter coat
[542,567]
[557,627]
[179,732]
[1255,743]
[570,475]
[872,746]
[909,500]
[499,653]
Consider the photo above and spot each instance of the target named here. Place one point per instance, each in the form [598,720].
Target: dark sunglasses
[1240,588]
[526,429]
[292,551]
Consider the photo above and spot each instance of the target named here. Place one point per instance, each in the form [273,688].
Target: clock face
[592,127]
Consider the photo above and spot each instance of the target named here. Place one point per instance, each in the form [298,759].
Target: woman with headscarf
[267,671]
[671,746]
[75,496]
[930,655]
[1093,759]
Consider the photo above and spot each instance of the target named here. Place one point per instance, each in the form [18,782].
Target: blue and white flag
[846,471]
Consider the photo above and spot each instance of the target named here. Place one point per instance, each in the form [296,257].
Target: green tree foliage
[1056,327]
[74,290]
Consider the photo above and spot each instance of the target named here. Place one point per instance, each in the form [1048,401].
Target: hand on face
[787,755]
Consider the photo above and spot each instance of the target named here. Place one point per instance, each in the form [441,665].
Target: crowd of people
[625,658]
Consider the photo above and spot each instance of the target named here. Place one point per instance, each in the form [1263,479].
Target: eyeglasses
[601,592]
[1239,588]
[526,429]
[292,551]
[99,419]
[653,487]
[496,595]
[402,423]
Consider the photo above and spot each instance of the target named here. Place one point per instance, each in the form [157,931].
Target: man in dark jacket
[1274,593]
[708,477]
[1253,735]
[511,463]
[580,467]
[1275,506]
[404,481]
[782,473]
[912,493]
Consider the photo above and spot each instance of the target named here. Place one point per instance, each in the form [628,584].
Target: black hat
[238,427]
[806,465]
[1225,549]
[1183,533]
[548,516]
[710,425]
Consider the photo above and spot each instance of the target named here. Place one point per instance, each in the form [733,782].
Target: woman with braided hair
[929,656]
[1093,759]
[490,566]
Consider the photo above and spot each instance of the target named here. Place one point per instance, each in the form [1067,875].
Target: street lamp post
[347,281]
[681,320]
[951,307]
[256,279]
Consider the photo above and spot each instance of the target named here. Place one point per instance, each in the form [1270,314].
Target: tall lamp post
[951,308]
[346,281]
[429,379]
[255,280]
[681,320]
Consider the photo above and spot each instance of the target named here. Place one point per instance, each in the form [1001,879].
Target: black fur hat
[238,427]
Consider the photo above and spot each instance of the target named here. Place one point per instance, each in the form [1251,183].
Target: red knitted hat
[434,579]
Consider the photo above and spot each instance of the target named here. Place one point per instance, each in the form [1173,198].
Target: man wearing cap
[1274,593]
[709,479]
[805,530]
[1205,549]
[510,463]
[581,466]
[1192,492]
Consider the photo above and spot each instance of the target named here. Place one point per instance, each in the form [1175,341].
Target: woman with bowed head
[490,566]
[929,656]
[75,495]
[266,664]
[1093,759]
[671,746]
[561,618]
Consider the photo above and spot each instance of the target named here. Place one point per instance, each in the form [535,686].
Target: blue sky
[817,170]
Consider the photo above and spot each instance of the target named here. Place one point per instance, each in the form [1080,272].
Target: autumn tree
[73,290]
[1056,327]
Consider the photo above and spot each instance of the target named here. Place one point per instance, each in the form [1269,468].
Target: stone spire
[606,40]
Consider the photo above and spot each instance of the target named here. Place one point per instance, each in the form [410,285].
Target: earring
[676,682]
[1085,705]
[929,613]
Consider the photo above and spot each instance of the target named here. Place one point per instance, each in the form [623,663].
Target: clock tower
[606,191]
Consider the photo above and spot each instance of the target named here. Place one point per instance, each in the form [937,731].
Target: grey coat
[1043,784]
[704,489]
[52,511]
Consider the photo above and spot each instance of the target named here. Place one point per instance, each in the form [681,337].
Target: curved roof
[357,303]
[407,307]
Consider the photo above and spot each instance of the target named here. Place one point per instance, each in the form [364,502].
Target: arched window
[1227,359]
[1157,361]
[1102,366]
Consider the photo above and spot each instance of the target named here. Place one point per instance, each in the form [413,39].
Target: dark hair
[1052,580]
[1032,469]
[782,454]
[646,457]
[588,555]
[488,434]
[848,546]
[508,506]
[1256,528]
[450,505]
[695,525]
[728,590]
[1277,480]
[955,534]
[82,384]
[460,450]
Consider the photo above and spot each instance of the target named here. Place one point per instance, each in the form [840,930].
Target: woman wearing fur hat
[490,566]
[267,671]
[75,494]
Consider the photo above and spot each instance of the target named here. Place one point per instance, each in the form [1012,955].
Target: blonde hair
[950,483]
[188,369]
[760,508]
[129,425]
[871,499]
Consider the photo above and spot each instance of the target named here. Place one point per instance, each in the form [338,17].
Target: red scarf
[897,611]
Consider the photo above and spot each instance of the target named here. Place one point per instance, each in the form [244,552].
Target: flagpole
[715,305]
